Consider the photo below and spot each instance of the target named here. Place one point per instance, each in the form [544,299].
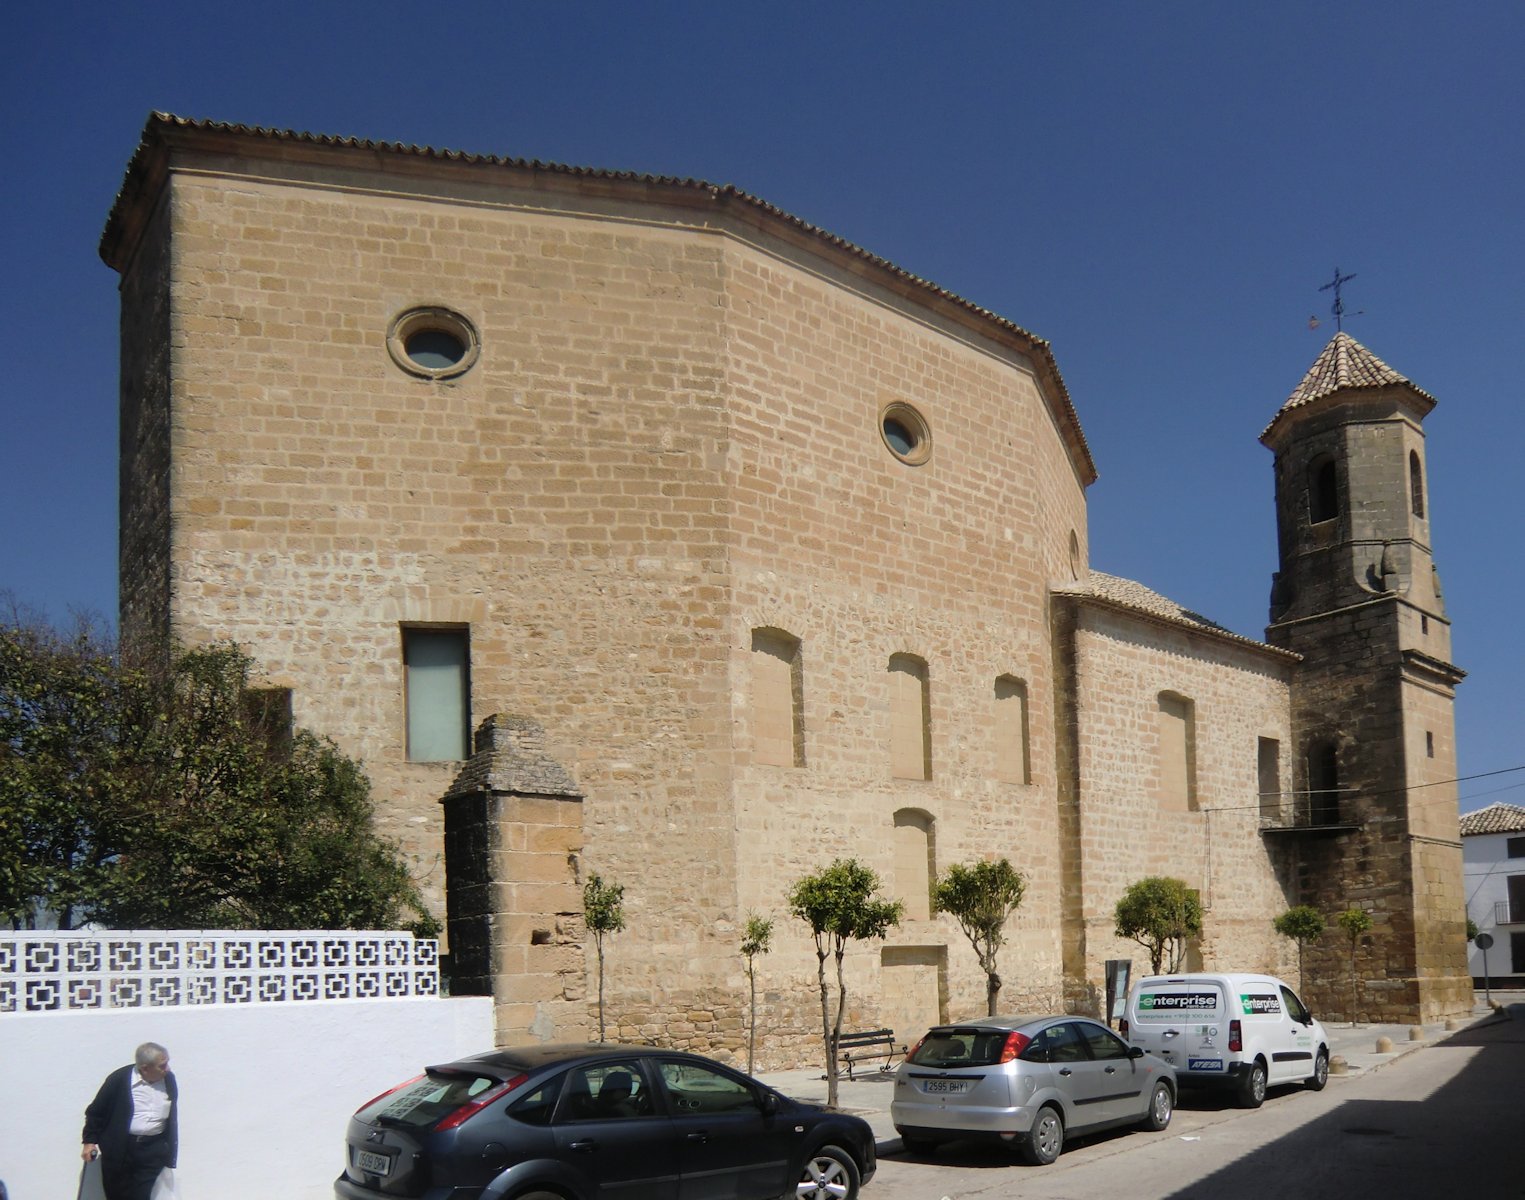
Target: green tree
[603,912]
[1302,923]
[1355,921]
[756,939]
[981,896]
[839,906]
[158,796]
[1159,913]
[58,767]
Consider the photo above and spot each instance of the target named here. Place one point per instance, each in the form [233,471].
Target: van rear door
[1184,1021]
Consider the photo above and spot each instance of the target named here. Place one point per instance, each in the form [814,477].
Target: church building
[629,525]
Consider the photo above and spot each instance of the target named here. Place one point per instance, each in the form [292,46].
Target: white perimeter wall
[266,1090]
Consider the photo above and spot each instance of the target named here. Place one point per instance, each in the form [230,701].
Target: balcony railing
[1312,811]
[1505,913]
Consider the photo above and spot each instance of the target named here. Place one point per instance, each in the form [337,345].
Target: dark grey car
[591,1122]
[1028,1082]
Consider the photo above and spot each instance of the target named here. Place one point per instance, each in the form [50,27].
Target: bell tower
[1372,819]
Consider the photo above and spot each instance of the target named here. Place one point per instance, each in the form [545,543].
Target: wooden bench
[871,1044]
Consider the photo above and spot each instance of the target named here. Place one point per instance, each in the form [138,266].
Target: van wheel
[1047,1138]
[1252,1091]
[1320,1076]
[1161,1105]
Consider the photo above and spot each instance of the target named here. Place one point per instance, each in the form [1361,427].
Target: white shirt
[150,1106]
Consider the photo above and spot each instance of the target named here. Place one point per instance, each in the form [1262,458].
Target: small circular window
[433,343]
[906,433]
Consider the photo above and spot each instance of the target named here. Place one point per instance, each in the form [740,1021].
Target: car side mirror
[769,1103]
[1135,1052]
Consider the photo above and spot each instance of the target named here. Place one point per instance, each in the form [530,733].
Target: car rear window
[971,1047]
[424,1102]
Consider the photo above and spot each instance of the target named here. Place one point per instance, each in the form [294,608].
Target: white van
[1239,1031]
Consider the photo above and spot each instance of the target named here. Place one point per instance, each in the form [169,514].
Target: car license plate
[372,1163]
[946,1087]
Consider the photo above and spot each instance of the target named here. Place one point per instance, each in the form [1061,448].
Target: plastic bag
[167,1186]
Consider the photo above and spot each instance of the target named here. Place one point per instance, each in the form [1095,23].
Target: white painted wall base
[265,1090]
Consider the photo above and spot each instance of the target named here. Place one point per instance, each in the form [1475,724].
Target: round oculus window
[433,343]
[906,433]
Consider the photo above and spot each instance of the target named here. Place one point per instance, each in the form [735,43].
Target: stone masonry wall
[861,557]
[1398,862]
[1239,695]
[144,454]
[670,438]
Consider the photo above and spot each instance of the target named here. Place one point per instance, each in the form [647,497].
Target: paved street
[1447,1116]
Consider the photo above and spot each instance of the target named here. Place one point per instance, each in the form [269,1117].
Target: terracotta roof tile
[1496,818]
[1344,363]
[1117,592]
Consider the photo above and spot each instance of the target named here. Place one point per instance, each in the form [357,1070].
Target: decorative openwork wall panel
[69,972]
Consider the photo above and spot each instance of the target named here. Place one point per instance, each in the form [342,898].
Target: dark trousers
[133,1177]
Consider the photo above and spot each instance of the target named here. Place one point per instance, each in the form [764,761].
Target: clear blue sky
[1158,189]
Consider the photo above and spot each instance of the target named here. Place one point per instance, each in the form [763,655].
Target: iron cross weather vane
[1338,308]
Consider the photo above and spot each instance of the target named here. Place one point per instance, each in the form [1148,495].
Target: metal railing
[1505,913]
[1301,810]
[80,971]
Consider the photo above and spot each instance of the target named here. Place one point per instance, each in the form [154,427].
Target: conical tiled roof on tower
[1344,363]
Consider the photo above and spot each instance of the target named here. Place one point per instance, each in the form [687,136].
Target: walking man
[132,1125]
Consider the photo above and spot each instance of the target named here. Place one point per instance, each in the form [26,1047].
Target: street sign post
[1484,941]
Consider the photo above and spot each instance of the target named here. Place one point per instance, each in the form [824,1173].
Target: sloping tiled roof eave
[147,168]
[1135,600]
[1344,370]
[1496,818]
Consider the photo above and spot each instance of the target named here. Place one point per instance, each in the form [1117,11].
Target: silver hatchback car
[1029,1082]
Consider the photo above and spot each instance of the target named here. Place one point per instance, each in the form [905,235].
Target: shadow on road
[1464,1137]
[983,1154]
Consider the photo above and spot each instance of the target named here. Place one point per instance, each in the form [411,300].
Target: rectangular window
[910,719]
[1429,744]
[914,869]
[1516,893]
[1269,766]
[268,712]
[1517,953]
[1515,847]
[1013,758]
[778,727]
[437,686]
[1175,724]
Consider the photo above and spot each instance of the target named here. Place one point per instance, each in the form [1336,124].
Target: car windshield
[964,1047]
[424,1102]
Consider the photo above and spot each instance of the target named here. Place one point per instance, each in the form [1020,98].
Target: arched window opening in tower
[1323,491]
[1324,784]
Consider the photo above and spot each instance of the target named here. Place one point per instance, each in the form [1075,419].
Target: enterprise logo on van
[1177,1001]
[1258,1006]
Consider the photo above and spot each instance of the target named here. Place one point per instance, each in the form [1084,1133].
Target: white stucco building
[1493,862]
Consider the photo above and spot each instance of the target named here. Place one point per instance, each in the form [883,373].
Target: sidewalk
[869,1095]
